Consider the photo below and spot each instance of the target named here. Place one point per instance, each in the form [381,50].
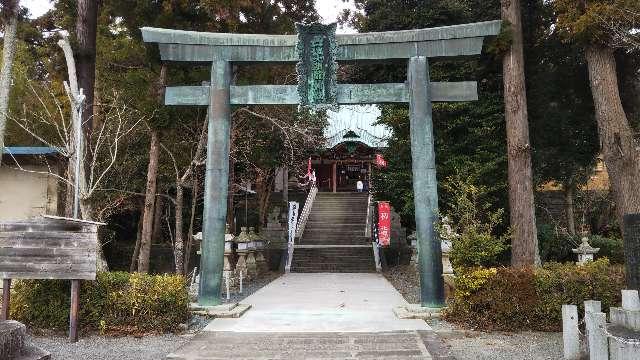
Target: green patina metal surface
[317,68]
[316,49]
[171,36]
[347,94]
[216,185]
[425,184]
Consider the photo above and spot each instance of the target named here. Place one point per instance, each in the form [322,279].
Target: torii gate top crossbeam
[457,40]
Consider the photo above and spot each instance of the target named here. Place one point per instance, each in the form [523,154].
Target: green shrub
[610,247]
[470,225]
[116,301]
[556,247]
[527,299]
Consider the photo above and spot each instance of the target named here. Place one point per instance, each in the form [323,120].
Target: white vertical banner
[293,219]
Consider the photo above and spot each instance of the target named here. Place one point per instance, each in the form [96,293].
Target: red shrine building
[353,143]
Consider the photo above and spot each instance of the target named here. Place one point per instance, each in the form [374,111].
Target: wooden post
[6,299]
[425,184]
[216,185]
[334,176]
[73,314]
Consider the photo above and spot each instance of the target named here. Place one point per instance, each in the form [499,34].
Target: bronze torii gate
[317,49]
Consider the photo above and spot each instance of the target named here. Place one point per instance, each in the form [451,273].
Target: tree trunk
[86,210]
[178,251]
[68,196]
[8,53]
[231,221]
[136,247]
[194,203]
[524,244]
[158,212]
[149,203]
[616,139]
[86,28]
[264,188]
[568,208]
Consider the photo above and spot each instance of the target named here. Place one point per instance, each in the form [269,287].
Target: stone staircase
[334,237]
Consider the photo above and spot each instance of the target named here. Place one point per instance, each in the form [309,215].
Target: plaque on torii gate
[316,50]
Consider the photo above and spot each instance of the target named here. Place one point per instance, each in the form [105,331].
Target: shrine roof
[359,119]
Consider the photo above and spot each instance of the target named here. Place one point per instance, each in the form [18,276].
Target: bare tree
[185,179]
[152,179]
[10,15]
[51,126]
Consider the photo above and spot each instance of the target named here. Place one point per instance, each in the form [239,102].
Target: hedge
[116,302]
[531,299]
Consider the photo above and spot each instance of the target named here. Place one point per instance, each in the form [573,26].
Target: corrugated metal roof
[30,150]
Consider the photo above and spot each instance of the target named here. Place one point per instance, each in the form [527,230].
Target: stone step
[314,232]
[405,345]
[343,218]
[329,242]
[333,259]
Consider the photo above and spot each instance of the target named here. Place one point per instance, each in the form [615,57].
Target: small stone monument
[413,240]
[585,251]
[242,240]
[447,268]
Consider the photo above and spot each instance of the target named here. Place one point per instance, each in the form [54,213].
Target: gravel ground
[148,347]
[466,344]
[96,347]
[405,279]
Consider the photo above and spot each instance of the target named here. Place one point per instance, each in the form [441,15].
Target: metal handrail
[367,228]
[306,210]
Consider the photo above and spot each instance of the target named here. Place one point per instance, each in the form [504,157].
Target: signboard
[317,67]
[48,248]
[293,219]
[384,223]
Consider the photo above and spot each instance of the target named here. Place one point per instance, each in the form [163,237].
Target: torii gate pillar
[216,184]
[425,185]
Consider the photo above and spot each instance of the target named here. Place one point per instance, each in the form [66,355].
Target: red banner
[380,161]
[384,223]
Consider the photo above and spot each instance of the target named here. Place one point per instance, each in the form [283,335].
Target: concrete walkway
[322,302]
[318,316]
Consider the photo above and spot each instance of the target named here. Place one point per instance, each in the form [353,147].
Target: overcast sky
[328,9]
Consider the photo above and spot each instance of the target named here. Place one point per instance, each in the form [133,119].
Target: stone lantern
[242,240]
[261,262]
[585,251]
[195,281]
[413,240]
[252,268]
[447,268]
[228,252]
